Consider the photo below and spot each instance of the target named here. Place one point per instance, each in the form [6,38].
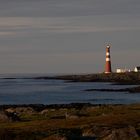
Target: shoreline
[129,90]
[131,78]
[118,78]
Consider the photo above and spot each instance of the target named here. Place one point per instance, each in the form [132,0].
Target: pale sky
[68,36]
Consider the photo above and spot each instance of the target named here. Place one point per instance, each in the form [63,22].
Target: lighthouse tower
[108,60]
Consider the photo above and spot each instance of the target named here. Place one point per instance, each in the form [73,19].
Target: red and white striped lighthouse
[108,60]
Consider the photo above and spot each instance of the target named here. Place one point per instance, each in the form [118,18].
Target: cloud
[19,25]
[67,8]
[7,33]
[72,29]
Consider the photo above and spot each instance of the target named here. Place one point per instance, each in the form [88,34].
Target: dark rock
[21,110]
[130,90]
[127,133]
[8,117]
[4,117]
[109,90]
[108,133]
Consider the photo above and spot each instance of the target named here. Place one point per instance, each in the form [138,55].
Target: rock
[10,110]
[8,117]
[127,133]
[4,117]
[71,116]
[52,110]
[107,133]
[24,110]
[44,112]
[95,131]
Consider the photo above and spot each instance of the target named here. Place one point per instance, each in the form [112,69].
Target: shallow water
[37,91]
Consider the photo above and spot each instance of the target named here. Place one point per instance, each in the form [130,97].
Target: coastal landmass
[130,78]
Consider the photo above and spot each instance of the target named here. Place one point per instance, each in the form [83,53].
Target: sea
[26,89]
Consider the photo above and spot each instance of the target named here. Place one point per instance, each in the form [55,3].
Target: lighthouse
[108,60]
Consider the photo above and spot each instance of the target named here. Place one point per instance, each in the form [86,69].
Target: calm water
[31,91]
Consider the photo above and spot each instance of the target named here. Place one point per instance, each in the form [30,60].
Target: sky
[68,36]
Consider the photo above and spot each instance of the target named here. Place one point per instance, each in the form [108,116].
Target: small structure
[137,69]
[122,70]
[119,70]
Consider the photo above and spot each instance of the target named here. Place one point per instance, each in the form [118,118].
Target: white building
[137,69]
[119,70]
[122,70]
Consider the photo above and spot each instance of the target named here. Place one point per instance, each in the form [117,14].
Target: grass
[38,126]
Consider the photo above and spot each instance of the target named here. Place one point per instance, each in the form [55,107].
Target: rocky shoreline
[131,78]
[115,78]
[70,122]
[129,90]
